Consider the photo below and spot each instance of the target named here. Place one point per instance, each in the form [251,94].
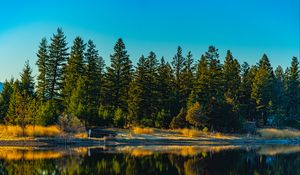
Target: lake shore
[142,141]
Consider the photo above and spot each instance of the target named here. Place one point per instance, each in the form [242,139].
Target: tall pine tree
[58,56]
[74,68]
[118,77]
[42,83]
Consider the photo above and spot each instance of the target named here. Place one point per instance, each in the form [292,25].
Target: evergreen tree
[5,96]
[293,90]
[215,83]
[178,63]
[232,79]
[165,93]
[93,81]
[199,93]
[21,109]
[187,79]
[12,112]
[143,101]
[77,106]
[27,82]
[43,58]
[118,77]
[58,56]
[262,88]
[74,68]
[136,103]
[246,103]
[279,98]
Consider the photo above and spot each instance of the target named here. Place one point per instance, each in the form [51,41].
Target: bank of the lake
[147,140]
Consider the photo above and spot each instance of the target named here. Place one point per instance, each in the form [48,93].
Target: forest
[75,86]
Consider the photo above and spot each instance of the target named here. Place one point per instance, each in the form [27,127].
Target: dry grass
[138,130]
[279,133]
[81,135]
[190,132]
[30,131]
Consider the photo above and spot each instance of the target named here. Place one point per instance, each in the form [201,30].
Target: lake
[130,160]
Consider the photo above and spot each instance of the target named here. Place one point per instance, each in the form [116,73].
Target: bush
[179,121]
[119,118]
[12,131]
[277,133]
[195,117]
[71,124]
[138,130]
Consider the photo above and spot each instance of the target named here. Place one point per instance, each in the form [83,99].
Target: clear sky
[248,28]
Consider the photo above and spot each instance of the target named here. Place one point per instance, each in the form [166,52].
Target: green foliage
[58,56]
[262,89]
[74,69]
[93,81]
[178,64]
[118,78]
[5,97]
[196,117]
[77,106]
[42,83]
[180,120]
[163,119]
[232,79]
[154,94]
[48,113]
[119,118]
[105,115]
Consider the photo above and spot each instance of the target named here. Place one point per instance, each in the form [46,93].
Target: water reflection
[189,160]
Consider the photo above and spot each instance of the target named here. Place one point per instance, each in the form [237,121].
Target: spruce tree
[74,68]
[246,103]
[187,79]
[279,98]
[58,56]
[5,97]
[262,89]
[93,81]
[118,77]
[27,81]
[136,101]
[43,58]
[293,90]
[232,79]
[178,63]
[215,76]
[200,93]
[165,93]
[144,91]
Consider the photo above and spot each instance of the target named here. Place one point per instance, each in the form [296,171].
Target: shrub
[179,121]
[138,130]
[12,131]
[119,118]
[71,124]
[278,133]
[194,115]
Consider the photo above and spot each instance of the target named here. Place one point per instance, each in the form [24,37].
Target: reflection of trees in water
[223,162]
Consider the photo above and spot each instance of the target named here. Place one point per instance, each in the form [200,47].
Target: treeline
[202,93]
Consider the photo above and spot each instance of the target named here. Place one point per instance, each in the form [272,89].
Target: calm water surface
[189,160]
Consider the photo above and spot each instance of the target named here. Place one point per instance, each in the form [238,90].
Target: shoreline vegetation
[53,137]
[180,101]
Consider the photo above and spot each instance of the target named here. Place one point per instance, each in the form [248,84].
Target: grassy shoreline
[151,136]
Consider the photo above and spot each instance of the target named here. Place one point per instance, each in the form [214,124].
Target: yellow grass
[279,133]
[81,135]
[30,131]
[190,132]
[138,130]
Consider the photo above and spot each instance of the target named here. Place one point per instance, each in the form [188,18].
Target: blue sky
[248,28]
